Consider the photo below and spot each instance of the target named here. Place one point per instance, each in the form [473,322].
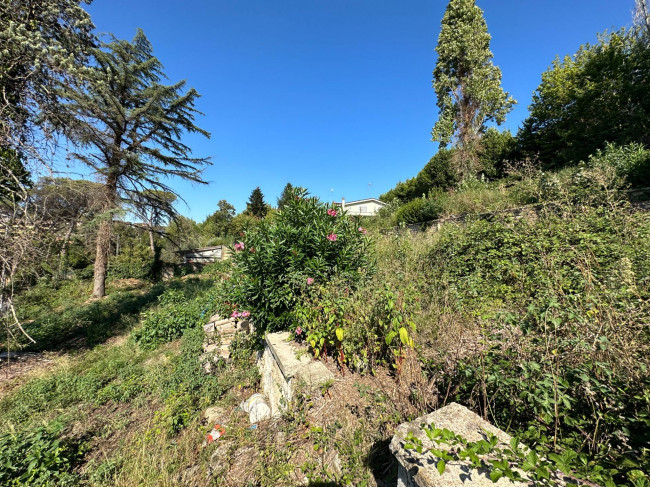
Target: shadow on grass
[93,323]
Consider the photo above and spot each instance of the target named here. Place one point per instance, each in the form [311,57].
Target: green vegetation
[278,260]
[530,304]
[589,99]
[467,85]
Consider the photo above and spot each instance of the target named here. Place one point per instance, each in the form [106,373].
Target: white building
[367,207]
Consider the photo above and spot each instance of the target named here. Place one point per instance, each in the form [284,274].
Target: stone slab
[419,470]
[283,366]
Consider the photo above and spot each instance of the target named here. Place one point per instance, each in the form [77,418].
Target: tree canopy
[584,101]
[467,84]
[128,128]
[44,43]
[285,196]
[256,205]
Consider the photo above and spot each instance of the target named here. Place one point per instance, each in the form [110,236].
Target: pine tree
[285,196]
[467,84]
[128,127]
[256,205]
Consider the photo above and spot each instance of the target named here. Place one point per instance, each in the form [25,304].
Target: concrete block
[283,366]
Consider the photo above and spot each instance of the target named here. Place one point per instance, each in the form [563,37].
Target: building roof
[366,200]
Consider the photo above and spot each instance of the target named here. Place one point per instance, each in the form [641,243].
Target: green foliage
[496,150]
[467,84]
[188,389]
[256,206]
[420,210]
[275,259]
[596,96]
[631,162]
[359,329]
[177,311]
[219,224]
[562,302]
[45,44]
[285,196]
[437,173]
[38,457]
[134,261]
[512,461]
[14,177]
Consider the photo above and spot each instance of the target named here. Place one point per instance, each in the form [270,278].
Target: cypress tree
[467,84]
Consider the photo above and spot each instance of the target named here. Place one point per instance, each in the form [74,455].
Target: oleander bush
[276,261]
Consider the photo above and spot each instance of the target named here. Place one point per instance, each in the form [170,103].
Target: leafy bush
[359,329]
[420,210]
[437,173]
[175,313]
[497,148]
[306,240]
[135,262]
[631,162]
[38,457]
[563,307]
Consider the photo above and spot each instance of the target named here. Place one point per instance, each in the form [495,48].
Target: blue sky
[332,95]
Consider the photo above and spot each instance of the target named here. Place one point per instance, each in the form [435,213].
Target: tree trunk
[151,244]
[104,238]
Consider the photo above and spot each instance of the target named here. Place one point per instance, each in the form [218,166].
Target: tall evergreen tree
[44,43]
[285,196]
[467,84]
[128,127]
[256,205]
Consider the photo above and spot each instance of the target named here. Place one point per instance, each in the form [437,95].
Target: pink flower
[298,331]
[245,314]
[332,212]
[363,230]
[310,281]
[239,246]
[332,237]
[234,314]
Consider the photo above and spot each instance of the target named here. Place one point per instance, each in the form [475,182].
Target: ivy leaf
[495,475]
[441,467]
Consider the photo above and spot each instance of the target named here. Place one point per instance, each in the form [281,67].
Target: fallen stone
[332,463]
[419,470]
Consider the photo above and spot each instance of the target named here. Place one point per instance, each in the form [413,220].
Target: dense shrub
[308,241]
[563,306]
[135,261]
[631,162]
[176,312]
[359,329]
[419,210]
[38,457]
[497,149]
